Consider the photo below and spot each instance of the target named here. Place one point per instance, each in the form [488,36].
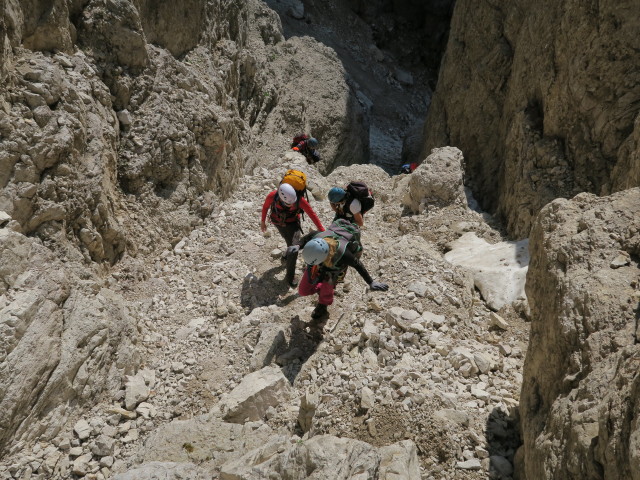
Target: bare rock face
[112,31]
[147,111]
[302,83]
[541,101]
[161,28]
[580,391]
[44,25]
[58,155]
[61,342]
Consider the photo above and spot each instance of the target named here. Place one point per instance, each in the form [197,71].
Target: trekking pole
[337,322]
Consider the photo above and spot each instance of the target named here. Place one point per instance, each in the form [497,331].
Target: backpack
[299,138]
[348,236]
[360,191]
[297,180]
[347,233]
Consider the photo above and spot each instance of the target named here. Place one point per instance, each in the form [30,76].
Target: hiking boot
[293,283]
[319,312]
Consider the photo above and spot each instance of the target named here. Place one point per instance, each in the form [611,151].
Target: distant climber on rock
[285,206]
[327,256]
[408,167]
[307,146]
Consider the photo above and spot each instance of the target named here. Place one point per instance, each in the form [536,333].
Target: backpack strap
[279,213]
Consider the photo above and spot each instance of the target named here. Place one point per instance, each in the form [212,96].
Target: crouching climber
[327,256]
[351,202]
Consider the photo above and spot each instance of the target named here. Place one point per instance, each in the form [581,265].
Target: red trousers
[323,289]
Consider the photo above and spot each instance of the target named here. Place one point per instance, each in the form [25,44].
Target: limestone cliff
[63,341]
[580,403]
[542,99]
[123,120]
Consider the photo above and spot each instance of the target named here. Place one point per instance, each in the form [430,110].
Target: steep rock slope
[230,379]
[64,341]
[543,100]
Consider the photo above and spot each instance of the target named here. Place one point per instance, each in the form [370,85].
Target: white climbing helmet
[315,251]
[287,194]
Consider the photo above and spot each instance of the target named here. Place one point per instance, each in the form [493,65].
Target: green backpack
[347,234]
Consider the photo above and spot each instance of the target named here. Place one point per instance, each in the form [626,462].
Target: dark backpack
[363,193]
[299,138]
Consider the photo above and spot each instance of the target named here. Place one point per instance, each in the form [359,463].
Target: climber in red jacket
[286,206]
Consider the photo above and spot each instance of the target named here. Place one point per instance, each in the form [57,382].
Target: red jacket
[302,205]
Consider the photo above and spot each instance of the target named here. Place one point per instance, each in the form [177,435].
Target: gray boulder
[256,392]
[437,181]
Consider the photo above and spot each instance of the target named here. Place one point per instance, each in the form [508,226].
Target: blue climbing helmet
[337,194]
[315,251]
[312,142]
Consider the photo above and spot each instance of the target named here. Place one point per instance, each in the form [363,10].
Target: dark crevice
[165,189]
[502,435]
[535,116]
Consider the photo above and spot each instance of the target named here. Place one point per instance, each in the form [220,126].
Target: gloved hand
[378,286]
[293,249]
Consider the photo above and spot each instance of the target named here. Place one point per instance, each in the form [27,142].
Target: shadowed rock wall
[542,100]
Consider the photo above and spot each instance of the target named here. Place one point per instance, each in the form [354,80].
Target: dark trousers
[291,233]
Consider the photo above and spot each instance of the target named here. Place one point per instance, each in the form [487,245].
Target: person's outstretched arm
[265,208]
[350,259]
[302,242]
[312,215]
